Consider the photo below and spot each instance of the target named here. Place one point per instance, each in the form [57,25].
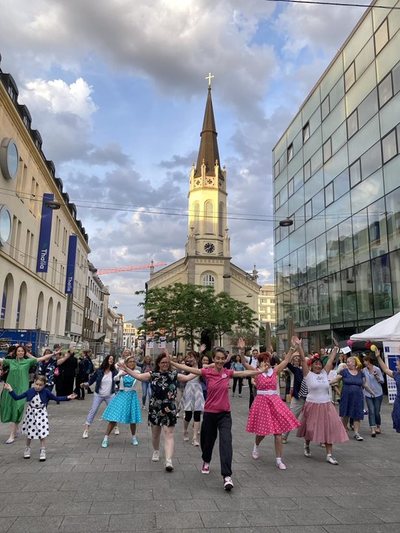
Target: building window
[291,187]
[389,146]
[325,107]
[396,78]
[307,170]
[385,90]
[306,132]
[381,36]
[352,124]
[327,150]
[277,169]
[208,280]
[308,210]
[349,77]
[290,153]
[355,173]
[328,194]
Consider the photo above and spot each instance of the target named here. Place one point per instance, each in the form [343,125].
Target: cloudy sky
[117,89]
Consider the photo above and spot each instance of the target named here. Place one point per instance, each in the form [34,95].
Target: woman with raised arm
[18,377]
[394,374]
[162,409]
[320,422]
[269,414]
[217,412]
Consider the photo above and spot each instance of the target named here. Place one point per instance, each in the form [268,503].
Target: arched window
[39,311]
[221,219]
[208,280]
[196,209]
[58,318]
[49,315]
[208,217]
[21,306]
[6,302]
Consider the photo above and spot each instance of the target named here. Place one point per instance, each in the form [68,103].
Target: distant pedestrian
[85,369]
[49,367]
[238,366]
[192,401]
[36,421]
[146,366]
[296,401]
[394,374]
[124,407]
[67,373]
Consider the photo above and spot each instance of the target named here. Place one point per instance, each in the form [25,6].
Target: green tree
[184,311]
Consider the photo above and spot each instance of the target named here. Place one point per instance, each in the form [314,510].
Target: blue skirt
[124,408]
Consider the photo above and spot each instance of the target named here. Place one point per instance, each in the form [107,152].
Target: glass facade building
[337,178]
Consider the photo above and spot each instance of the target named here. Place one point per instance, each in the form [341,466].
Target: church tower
[207,198]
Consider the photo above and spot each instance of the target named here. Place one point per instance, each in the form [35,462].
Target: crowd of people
[198,387]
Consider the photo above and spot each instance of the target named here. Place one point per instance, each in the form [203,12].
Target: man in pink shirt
[217,412]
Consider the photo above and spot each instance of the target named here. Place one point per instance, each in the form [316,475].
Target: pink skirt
[269,415]
[321,423]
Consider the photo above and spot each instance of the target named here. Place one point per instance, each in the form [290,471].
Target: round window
[9,158]
[5,225]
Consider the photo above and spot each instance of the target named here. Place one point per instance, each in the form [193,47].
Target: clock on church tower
[209,247]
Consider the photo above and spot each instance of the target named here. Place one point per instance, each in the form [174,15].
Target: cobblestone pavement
[83,487]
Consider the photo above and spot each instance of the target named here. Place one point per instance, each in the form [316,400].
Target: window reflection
[381,286]
[363,280]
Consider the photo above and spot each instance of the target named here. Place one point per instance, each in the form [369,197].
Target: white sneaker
[104,443]
[116,430]
[185,436]
[331,460]
[168,465]
[280,465]
[42,456]
[195,442]
[85,434]
[134,441]
[255,453]
[27,453]
[156,456]
[228,483]
[307,451]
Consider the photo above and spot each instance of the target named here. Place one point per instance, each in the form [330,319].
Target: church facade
[207,259]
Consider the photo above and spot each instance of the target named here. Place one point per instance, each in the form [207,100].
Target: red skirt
[321,423]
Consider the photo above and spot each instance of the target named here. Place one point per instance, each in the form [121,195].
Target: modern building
[337,190]
[43,245]
[94,330]
[207,259]
[266,305]
[129,335]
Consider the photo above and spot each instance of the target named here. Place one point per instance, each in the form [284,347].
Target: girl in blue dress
[124,407]
[394,374]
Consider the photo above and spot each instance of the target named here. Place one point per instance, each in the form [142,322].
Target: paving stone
[165,521]
[132,522]
[72,524]
[38,524]
[224,519]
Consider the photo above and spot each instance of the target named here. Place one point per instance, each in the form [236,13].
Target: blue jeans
[97,401]
[146,391]
[374,410]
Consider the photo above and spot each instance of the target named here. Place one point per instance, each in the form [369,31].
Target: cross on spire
[209,78]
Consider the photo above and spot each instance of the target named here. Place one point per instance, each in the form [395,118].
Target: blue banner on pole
[69,280]
[42,263]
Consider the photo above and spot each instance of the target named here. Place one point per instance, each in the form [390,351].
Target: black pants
[80,391]
[251,392]
[235,382]
[212,424]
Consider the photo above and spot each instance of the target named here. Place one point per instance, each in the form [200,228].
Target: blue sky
[117,90]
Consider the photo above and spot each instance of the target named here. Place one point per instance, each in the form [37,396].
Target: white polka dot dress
[269,415]
[36,421]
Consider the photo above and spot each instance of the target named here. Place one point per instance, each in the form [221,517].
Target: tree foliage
[184,311]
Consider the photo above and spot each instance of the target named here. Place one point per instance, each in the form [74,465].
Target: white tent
[387,330]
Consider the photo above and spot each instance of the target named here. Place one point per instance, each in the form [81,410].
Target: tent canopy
[387,330]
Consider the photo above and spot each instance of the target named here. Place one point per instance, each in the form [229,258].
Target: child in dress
[269,415]
[124,406]
[36,422]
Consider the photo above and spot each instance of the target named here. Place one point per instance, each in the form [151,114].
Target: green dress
[18,377]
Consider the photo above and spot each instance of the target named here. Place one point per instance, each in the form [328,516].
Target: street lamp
[286,222]
[52,204]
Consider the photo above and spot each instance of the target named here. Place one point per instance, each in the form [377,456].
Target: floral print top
[162,408]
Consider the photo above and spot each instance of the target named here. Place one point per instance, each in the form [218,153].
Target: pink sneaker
[280,465]
[205,469]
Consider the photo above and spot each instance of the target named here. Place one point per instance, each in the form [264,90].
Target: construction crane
[150,266]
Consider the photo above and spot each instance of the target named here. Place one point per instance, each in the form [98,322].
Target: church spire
[208,151]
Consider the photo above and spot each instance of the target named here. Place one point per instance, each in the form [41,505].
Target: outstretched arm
[383,365]
[62,359]
[295,345]
[13,394]
[43,357]
[140,377]
[183,378]
[331,359]
[186,368]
